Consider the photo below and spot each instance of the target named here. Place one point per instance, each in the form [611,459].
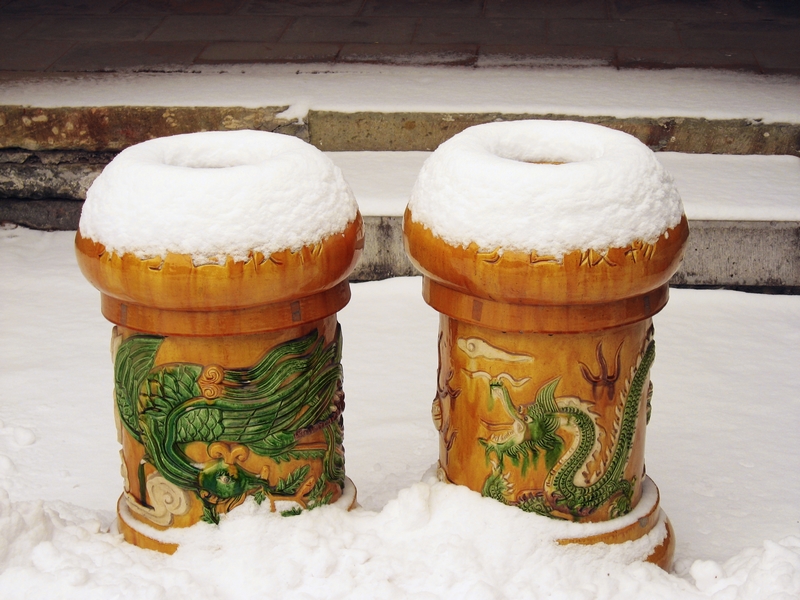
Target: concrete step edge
[730,254]
[112,128]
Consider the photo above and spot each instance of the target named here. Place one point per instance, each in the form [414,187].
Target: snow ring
[217,194]
[549,187]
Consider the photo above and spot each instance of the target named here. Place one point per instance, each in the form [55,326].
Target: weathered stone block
[117,127]
[59,215]
[742,254]
[332,131]
[383,255]
[55,174]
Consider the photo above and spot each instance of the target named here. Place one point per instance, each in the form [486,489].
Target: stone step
[57,131]
[744,216]
[747,255]
[382,107]
[744,211]
[103,129]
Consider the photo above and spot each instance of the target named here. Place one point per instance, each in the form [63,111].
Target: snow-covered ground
[349,88]
[722,447]
[712,186]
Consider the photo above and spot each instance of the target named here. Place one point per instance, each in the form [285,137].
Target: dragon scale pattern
[560,485]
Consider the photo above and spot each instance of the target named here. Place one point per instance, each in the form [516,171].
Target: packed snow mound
[217,194]
[548,187]
[433,541]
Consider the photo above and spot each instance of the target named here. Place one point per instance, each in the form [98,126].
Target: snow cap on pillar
[217,194]
[549,187]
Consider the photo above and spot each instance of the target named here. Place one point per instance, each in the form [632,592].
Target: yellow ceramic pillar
[543,389]
[228,382]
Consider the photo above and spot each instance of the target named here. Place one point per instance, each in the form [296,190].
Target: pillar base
[140,534]
[646,518]
[660,556]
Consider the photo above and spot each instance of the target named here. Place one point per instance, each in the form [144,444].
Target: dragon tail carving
[565,495]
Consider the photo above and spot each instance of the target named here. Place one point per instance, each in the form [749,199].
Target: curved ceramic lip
[581,277]
[175,283]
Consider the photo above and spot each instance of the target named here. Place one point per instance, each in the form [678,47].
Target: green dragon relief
[535,432]
[294,390]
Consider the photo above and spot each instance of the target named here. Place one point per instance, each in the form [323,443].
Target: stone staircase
[49,156]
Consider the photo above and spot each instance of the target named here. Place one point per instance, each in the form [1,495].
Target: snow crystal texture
[217,194]
[548,187]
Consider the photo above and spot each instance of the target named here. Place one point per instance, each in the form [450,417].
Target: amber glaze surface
[470,417]
[543,318]
[174,297]
[588,277]
[175,283]
[661,555]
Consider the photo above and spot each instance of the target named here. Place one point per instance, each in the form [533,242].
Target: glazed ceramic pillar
[544,392]
[227,377]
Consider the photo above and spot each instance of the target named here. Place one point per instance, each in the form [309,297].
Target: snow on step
[713,187]
[736,188]
[599,91]
[381,181]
